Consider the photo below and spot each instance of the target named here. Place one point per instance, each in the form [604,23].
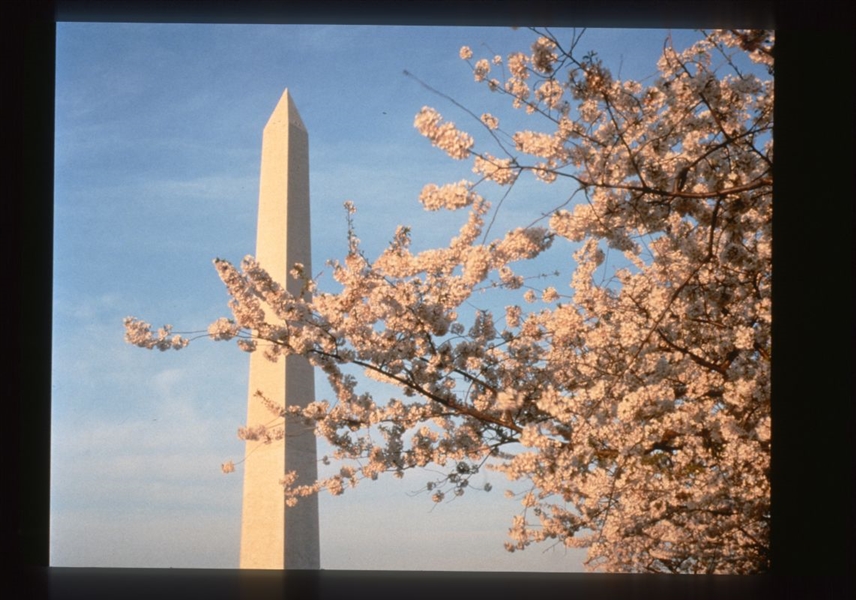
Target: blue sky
[158,140]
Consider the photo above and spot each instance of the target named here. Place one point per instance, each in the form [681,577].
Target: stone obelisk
[273,536]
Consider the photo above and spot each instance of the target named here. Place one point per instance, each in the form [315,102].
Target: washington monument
[273,536]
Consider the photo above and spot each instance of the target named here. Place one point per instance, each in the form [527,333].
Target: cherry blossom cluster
[445,136]
[139,333]
[450,196]
[635,403]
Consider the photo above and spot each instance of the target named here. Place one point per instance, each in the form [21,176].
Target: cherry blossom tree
[636,405]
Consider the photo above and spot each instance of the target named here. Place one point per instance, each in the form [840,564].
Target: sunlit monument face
[274,536]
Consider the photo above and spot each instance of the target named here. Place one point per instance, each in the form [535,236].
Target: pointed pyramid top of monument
[285,112]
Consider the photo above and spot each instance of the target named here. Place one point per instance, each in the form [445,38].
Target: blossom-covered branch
[636,405]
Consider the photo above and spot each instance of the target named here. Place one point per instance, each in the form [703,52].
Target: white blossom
[481,70]
[489,120]
[456,144]
[635,406]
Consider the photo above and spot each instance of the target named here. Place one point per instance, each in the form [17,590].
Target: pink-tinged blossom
[140,334]
[489,120]
[223,329]
[247,345]
[512,316]
[481,70]
[636,406]
[517,65]
[543,56]
[550,295]
[550,93]
[499,170]
[456,144]
[450,196]
[508,401]
[519,90]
